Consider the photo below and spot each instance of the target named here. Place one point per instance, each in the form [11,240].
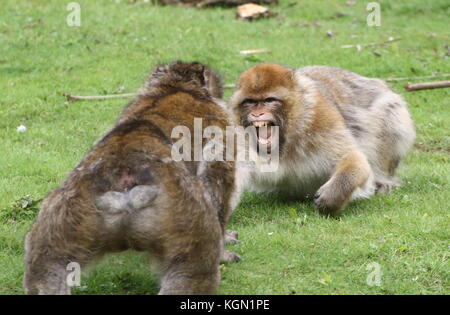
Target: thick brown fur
[342,135]
[181,213]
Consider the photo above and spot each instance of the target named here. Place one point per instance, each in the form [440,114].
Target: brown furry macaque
[341,135]
[128,193]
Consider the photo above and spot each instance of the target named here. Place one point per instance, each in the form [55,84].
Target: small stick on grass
[71,97]
[384,43]
[427,85]
[96,97]
[254,51]
[418,78]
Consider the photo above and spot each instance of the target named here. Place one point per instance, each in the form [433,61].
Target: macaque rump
[128,193]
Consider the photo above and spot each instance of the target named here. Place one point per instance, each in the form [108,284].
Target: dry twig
[96,97]
[418,78]
[427,85]
[384,43]
[254,51]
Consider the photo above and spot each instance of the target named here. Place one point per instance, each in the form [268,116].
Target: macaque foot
[231,237]
[385,188]
[330,198]
[228,257]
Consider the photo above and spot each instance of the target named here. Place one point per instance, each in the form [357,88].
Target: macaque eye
[249,102]
[270,100]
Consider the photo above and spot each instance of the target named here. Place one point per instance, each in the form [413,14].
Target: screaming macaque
[128,193]
[341,136]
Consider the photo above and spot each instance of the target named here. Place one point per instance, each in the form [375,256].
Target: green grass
[287,248]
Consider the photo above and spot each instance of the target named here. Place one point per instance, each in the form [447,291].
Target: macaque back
[128,193]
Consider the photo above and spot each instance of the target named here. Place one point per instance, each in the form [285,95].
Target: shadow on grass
[128,282]
[14,70]
[258,208]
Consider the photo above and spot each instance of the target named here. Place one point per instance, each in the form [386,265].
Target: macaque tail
[139,197]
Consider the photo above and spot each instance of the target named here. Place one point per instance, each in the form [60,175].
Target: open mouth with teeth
[264,132]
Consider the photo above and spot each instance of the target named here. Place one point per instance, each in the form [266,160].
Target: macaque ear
[206,76]
[213,83]
[292,74]
[161,68]
[197,67]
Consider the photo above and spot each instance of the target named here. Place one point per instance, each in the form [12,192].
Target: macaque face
[263,99]
[263,112]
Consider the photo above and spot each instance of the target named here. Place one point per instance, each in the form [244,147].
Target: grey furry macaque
[128,193]
[341,137]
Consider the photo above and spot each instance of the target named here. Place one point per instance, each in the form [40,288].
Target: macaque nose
[257,114]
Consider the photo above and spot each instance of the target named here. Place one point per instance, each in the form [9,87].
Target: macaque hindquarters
[182,233]
[128,193]
[192,268]
[64,238]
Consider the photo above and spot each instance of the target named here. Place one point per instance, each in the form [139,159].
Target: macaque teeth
[260,123]
[257,124]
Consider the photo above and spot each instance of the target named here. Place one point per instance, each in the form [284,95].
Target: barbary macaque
[341,136]
[128,193]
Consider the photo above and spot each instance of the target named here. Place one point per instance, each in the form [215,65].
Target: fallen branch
[418,78]
[71,97]
[384,43]
[427,85]
[254,51]
[97,97]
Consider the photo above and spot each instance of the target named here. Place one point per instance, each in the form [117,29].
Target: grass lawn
[287,247]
